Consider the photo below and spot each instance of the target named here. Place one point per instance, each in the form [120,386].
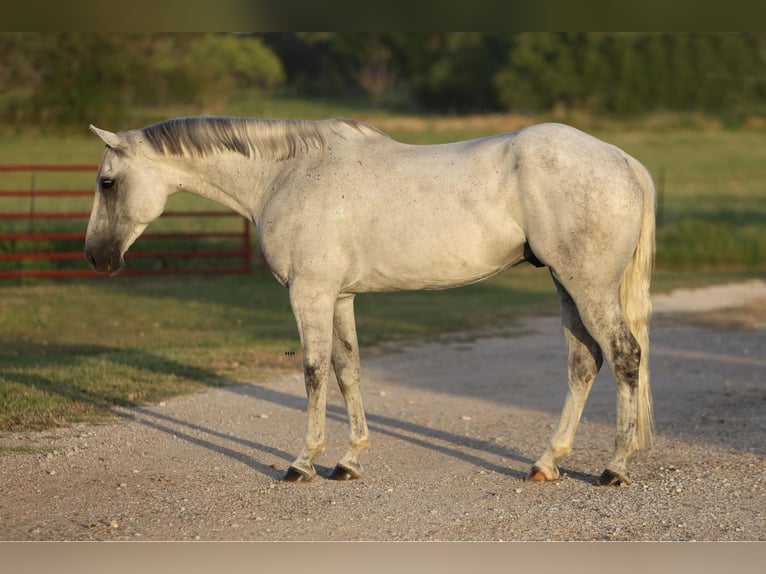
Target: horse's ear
[111,139]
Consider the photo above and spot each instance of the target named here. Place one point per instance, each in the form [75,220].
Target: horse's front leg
[345,359]
[313,310]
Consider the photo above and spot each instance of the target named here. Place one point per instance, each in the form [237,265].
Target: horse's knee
[314,375]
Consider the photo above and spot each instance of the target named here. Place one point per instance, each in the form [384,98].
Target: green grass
[70,350]
[711,196]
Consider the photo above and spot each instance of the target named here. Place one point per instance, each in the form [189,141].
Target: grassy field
[71,349]
[712,196]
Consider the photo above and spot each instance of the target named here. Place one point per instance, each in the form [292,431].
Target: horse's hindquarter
[580,201]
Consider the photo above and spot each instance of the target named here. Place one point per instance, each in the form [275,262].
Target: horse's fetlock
[560,451]
[315,448]
[360,443]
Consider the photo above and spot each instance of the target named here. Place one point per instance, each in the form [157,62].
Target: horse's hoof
[342,472]
[537,474]
[295,475]
[611,478]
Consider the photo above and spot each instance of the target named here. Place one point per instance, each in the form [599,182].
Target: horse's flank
[270,140]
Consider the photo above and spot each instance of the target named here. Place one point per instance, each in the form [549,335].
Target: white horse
[341,208]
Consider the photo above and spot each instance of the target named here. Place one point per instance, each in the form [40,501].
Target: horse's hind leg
[601,314]
[345,359]
[585,360]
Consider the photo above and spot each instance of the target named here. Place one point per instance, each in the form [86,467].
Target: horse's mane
[274,140]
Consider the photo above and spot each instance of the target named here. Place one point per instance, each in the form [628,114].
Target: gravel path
[455,426]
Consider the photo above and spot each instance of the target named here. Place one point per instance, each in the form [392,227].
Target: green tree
[218,64]
[741,70]
[81,79]
[368,61]
[543,72]
[457,74]
[204,69]
[629,73]
[62,80]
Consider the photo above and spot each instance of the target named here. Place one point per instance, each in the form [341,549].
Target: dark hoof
[344,473]
[294,475]
[609,478]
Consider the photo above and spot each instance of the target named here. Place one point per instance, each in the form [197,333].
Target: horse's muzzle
[104,262]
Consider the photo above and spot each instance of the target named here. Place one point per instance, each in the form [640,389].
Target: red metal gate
[12,239]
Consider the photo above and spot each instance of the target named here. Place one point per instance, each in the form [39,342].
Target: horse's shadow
[461,447]
[442,441]
[175,427]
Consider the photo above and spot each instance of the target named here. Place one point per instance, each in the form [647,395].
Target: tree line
[61,79]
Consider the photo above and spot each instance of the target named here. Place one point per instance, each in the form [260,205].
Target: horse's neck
[229,180]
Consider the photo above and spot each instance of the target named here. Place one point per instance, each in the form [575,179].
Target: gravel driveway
[455,426]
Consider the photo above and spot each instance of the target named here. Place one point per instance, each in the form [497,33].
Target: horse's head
[130,194]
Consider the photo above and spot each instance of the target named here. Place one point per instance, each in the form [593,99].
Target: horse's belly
[439,261]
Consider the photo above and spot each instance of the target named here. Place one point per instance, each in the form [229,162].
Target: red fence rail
[240,254]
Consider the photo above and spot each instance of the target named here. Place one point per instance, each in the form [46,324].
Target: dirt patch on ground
[455,426]
[742,305]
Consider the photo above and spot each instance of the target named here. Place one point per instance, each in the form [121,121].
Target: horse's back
[391,216]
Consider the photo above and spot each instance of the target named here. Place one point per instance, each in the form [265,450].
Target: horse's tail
[636,303]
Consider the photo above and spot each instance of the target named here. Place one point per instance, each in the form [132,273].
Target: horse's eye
[107,183]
